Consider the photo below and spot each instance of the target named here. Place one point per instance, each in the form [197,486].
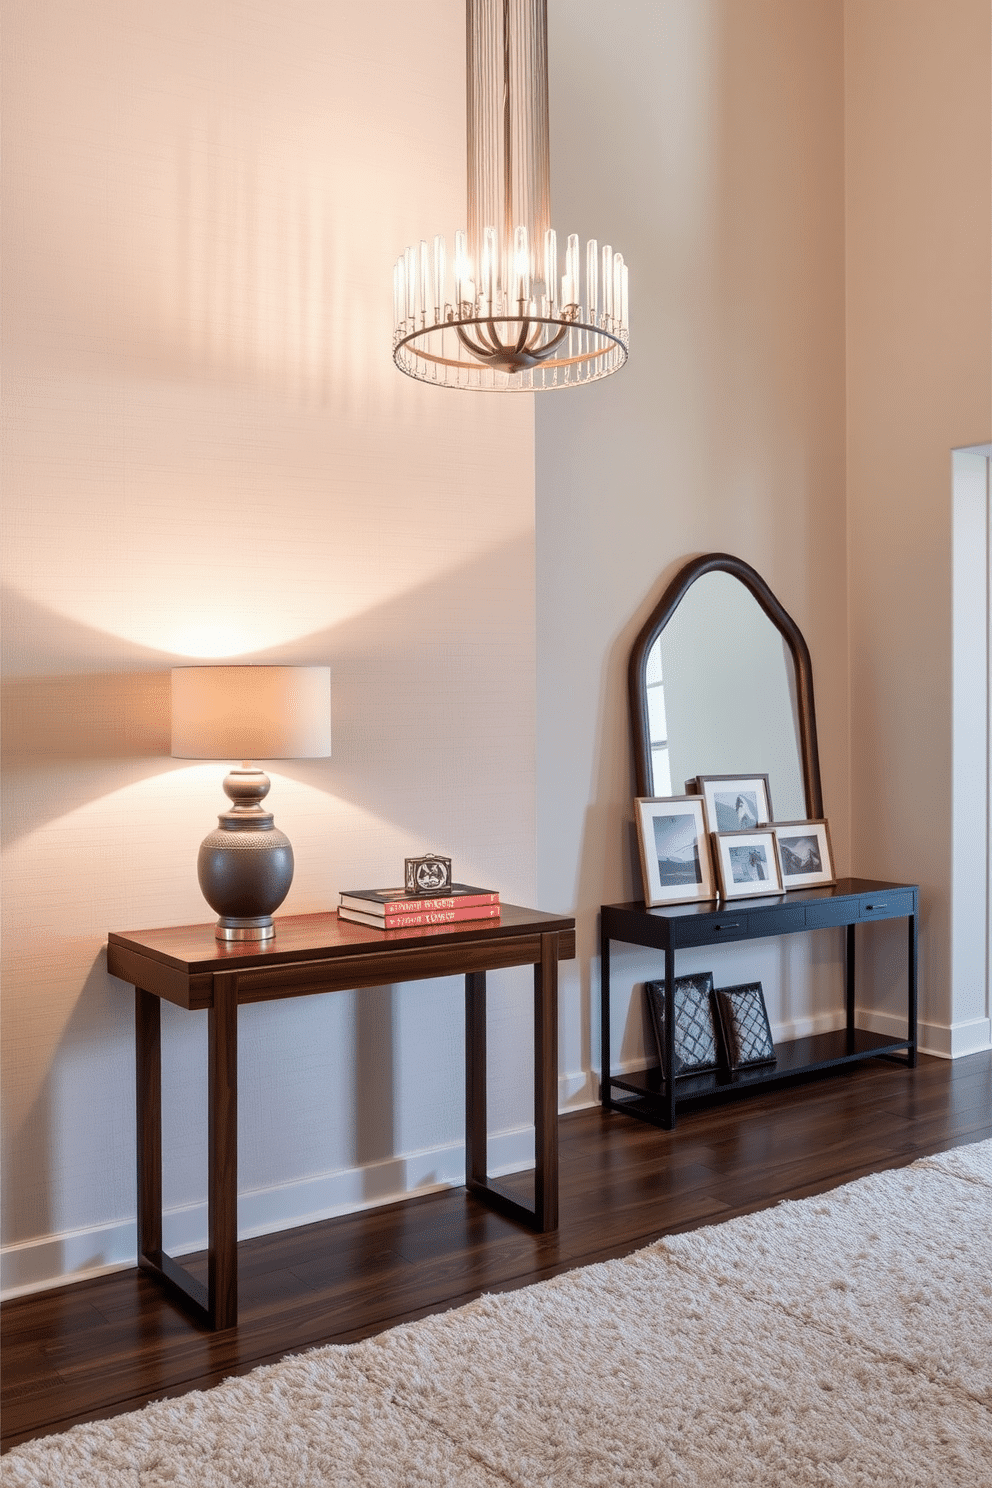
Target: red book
[402,921]
[380,902]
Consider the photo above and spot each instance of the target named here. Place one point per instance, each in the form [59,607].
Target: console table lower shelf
[313,954]
[656,1094]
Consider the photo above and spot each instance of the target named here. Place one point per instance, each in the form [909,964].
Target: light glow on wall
[211,457]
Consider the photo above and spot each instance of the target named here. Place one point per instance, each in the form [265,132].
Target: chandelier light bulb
[504,312]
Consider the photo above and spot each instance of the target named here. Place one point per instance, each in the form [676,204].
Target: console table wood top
[321,953]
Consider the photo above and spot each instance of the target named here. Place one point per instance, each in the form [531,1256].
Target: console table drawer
[709,930]
[889,905]
[779,919]
[827,912]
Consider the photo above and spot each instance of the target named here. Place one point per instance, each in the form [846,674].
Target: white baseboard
[52,1260]
[971,1037]
[795,1028]
[578,1090]
[945,1041]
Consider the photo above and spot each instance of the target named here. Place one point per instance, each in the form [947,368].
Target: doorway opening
[971,795]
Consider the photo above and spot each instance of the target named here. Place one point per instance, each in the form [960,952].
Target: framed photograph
[675,850]
[805,859]
[747,863]
[735,803]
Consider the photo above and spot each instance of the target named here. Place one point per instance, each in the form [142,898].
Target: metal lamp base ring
[258,928]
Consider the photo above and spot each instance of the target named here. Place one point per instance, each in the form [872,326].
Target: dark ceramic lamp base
[245,866]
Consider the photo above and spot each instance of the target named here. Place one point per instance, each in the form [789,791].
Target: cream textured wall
[209,455]
[919,330]
[710,150]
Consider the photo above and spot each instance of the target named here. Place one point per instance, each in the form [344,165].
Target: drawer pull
[872,908]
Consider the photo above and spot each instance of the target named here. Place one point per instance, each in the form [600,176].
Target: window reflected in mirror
[657,724]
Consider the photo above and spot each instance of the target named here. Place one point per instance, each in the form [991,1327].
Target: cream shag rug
[842,1340]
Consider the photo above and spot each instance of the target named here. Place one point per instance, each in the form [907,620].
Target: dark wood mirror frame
[783,622]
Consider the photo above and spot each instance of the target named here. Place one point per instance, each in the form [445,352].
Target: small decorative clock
[428,875]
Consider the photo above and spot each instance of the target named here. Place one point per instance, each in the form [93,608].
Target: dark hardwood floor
[111,1344]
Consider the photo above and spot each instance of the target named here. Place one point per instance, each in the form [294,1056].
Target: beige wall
[210,455]
[711,152]
[919,383]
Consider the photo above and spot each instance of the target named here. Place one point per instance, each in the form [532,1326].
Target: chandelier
[504,311]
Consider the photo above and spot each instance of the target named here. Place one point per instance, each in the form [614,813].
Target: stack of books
[395,909]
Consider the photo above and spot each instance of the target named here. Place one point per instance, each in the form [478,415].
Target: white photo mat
[676,863]
[747,863]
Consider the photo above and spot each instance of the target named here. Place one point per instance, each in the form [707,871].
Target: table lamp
[248,713]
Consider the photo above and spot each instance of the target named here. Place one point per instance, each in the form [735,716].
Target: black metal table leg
[668,1053]
[849,985]
[912,971]
[604,1016]
[546,1086]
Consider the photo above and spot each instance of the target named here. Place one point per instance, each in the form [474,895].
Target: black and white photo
[675,853]
[735,803]
[804,854]
[747,863]
[676,848]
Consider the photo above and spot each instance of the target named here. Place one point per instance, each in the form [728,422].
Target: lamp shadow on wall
[91,1045]
[87,725]
[403,677]
[258,271]
[411,690]
[85,728]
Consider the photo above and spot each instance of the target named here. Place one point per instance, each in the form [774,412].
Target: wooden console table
[655,1093]
[313,954]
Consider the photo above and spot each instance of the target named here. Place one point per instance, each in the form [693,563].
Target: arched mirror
[721,684]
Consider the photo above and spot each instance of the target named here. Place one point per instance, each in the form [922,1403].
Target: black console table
[653,1094]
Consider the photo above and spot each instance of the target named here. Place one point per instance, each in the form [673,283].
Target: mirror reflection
[721,696]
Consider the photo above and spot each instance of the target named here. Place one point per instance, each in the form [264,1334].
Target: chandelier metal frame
[503,312]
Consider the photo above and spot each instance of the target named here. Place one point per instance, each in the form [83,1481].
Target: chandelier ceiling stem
[506,282]
[508,222]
